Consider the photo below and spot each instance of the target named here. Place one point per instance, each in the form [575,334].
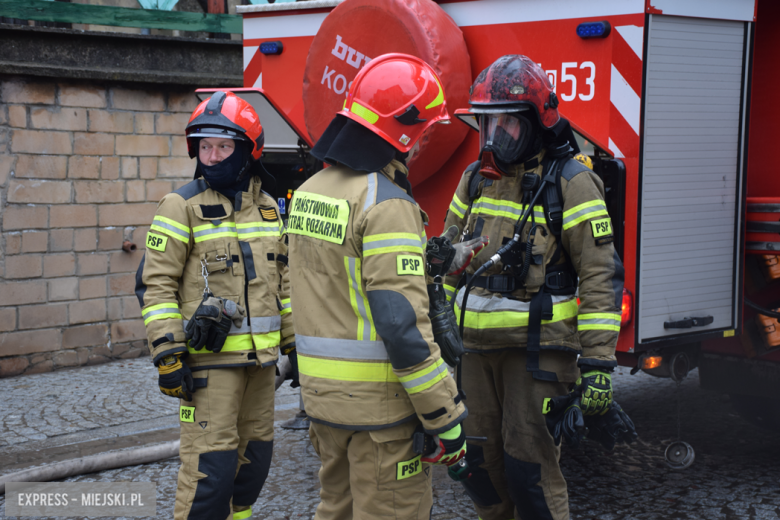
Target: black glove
[444,257]
[210,324]
[564,419]
[445,326]
[175,377]
[293,357]
[611,428]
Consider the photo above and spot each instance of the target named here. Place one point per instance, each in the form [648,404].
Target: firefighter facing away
[550,234]
[371,372]
[214,295]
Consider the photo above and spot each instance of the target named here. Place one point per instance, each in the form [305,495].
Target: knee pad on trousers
[478,486]
[212,494]
[251,477]
[522,479]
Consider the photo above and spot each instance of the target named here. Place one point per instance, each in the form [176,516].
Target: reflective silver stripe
[165,310]
[243,329]
[286,305]
[341,348]
[172,229]
[215,230]
[258,229]
[390,242]
[267,324]
[480,203]
[427,377]
[497,303]
[601,206]
[361,303]
[599,321]
[370,195]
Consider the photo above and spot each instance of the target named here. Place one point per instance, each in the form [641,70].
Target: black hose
[762,311]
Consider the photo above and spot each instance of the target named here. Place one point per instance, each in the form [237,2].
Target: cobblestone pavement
[736,474]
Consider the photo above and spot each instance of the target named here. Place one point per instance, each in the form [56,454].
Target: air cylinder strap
[541,309]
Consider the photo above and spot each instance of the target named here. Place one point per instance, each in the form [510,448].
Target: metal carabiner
[204,272]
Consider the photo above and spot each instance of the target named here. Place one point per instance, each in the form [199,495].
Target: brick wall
[82,166]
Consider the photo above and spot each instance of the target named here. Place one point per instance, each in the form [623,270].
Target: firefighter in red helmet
[371,369]
[214,297]
[526,338]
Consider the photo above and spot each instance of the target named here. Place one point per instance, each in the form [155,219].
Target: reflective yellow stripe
[258,229]
[507,319]
[165,316]
[599,321]
[264,341]
[363,112]
[506,208]
[584,211]
[243,515]
[211,232]
[449,291]
[240,342]
[425,378]
[439,97]
[171,228]
[462,205]
[286,307]
[338,370]
[392,243]
[161,311]
[357,297]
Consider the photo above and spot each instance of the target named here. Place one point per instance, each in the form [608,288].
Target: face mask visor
[506,135]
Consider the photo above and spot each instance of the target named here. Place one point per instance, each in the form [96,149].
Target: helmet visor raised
[506,135]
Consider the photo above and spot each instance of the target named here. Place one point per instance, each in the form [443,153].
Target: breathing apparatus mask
[506,139]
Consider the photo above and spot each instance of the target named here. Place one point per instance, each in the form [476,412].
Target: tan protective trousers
[371,474]
[515,474]
[226,443]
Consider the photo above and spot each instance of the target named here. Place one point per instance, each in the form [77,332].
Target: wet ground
[736,473]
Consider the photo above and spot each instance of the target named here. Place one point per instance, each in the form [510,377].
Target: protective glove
[293,374]
[564,419]
[210,324]
[450,447]
[445,326]
[175,377]
[611,428]
[596,387]
[444,258]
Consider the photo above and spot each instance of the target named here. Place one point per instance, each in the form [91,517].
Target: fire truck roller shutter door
[357,31]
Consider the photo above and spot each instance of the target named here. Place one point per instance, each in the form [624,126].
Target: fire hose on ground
[111,459]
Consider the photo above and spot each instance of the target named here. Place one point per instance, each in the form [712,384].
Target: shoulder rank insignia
[269,214]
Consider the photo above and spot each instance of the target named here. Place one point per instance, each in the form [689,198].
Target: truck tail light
[650,362]
[627,310]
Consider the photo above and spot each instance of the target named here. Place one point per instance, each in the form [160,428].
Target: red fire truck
[672,101]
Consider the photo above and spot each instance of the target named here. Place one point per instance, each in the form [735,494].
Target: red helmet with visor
[227,116]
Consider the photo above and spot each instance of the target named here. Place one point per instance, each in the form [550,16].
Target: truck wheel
[761,411]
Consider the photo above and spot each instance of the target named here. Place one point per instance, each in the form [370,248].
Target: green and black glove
[210,324]
[596,386]
[445,325]
[175,377]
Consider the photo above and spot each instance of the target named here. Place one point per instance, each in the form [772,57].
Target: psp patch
[187,413]
[269,214]
[156,242]
[409,264]
[409,468]
[601,228]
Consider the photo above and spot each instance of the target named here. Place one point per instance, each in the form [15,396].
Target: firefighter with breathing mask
[214,297]
[551,236]
[371,368]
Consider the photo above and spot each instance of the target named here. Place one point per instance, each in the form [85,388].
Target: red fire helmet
[396,96]
[225,115]
[513,83]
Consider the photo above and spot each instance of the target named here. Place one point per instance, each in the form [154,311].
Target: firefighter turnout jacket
[196,232]
[498,308]
[366,354]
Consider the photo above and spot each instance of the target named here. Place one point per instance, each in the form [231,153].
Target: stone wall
[82,166]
